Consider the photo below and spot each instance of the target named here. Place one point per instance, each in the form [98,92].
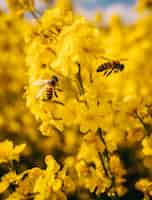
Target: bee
[48,90]
[110,66]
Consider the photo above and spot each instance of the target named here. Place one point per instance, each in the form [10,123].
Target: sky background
[108,7]
[94,3]
[88,7]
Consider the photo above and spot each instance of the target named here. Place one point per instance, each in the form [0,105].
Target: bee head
[121,67]
[55,78]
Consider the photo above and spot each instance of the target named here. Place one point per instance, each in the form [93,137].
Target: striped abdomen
[47,93]
[104,66]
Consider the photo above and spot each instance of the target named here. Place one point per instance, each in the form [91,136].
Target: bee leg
[58,89]
[108,73]
[105,73]
[116,71]
[55,94]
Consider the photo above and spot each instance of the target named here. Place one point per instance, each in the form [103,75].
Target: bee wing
[105,58]
[110,59]
[58,89]
[40,82]
[39,94]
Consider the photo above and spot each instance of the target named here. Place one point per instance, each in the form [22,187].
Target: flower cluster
[142,4]
[16,121]
[20,6]
[94,115]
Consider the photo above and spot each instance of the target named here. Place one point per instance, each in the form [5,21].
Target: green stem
[105,159]
[147,127]
[79,78]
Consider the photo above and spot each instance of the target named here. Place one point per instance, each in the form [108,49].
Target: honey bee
[110,66]
[49,88]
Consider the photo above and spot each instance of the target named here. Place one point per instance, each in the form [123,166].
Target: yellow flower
[20,6]
[8,152]
[147,146]
[145,185]
[6,180]
[85,101]
[144,4]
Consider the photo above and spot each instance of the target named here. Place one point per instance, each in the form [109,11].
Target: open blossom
[8,152]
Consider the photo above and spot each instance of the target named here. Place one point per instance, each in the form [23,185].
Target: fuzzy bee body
[110,66]
[47,93]
[48,90]
[104,67]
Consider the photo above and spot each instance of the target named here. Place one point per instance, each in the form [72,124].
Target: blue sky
[94,3]
[107,7]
